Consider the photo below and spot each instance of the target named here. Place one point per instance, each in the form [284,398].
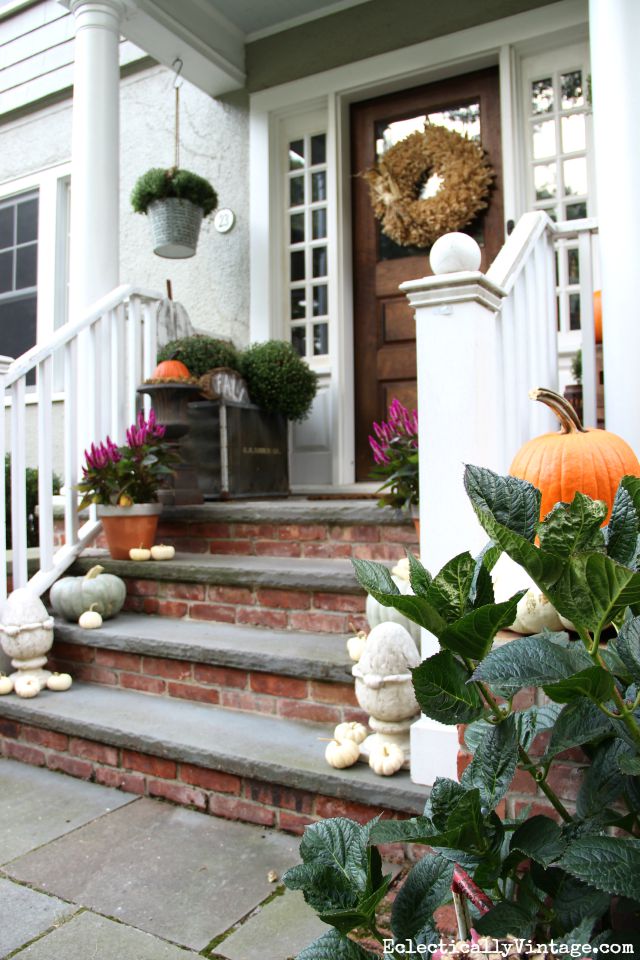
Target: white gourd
[377,613]
[342,753]
[163,551]
[355,645]
[6,685]
[59,682]
[534,612]
[90,619]
[386,759]
[26,687]
[351,731]
[139,553]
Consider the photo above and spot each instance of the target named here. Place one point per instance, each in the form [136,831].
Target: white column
[95,176]
[614,28]
[460,408]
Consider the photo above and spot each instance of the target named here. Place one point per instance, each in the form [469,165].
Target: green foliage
[546,879]
[278,379]
[201,353]
[158,184]
[31,480]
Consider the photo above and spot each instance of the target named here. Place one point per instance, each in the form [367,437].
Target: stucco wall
[213,285]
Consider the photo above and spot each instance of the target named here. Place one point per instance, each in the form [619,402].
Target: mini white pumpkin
[342,753]
[386,759]
[6,685]
[27,687]
[90,619]
[59,681]
[355,645]
[351,731]
[139,553]
[534,612]
[163,551]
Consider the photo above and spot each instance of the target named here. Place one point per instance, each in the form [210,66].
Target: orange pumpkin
[574,460]
[171,370]
[597,315]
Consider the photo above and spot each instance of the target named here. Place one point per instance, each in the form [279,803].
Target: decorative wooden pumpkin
[73,596]
[342,753]
[171,370]
[574,460]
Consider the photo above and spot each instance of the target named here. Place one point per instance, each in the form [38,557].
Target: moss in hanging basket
[158,184]
[201,353]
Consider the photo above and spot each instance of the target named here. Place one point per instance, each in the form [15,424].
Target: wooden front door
[384,325]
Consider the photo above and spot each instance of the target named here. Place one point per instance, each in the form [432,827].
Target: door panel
[384,326]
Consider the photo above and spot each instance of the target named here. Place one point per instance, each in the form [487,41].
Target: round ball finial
[453,253]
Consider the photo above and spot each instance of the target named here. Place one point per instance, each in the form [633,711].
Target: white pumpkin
[6,685]
[355,645]
[163,551]
[59,682]
[376,613]
[351,731]
[90,619]
[534,612]
[139,553]
[27,686]
[386,759]
[342,753]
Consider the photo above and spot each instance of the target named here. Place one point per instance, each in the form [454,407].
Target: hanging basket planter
[175,224]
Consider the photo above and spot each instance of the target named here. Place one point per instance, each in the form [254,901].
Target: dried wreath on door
[463,178]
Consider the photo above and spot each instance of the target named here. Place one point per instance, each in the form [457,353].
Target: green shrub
[158,184]
[32,501]
[279,381]
[201,353]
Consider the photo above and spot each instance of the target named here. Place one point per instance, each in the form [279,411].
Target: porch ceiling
[209,36]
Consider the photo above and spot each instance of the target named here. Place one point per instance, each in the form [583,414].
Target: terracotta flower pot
[128,527]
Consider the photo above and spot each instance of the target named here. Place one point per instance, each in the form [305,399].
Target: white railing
[524,270]
[102,358]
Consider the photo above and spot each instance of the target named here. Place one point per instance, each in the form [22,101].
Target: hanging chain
[177,85]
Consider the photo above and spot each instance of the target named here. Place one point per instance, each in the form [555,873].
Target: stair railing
[99,360]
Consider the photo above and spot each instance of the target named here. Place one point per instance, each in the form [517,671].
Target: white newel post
[614,29]
[95,168]
[460,409]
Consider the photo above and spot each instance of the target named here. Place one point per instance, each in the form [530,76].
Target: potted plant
[123,481]
[395,451]
[564,870]
[176,201]
[278,379]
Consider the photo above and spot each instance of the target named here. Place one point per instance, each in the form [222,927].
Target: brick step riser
[330,541]
[307,610]
[318,701]
[216,792]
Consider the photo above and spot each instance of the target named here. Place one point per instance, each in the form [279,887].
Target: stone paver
[26,914]
[88,937]
[178,874]
[278,931]
[37,806]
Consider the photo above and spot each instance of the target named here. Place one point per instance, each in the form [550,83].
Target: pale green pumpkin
[73,596]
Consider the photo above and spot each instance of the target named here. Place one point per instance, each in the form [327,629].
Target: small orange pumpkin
[171,370]
[597,315]
[574,460]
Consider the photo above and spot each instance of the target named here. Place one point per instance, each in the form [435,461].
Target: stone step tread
[272,749]
[294,510]
[314,656]
[287,573]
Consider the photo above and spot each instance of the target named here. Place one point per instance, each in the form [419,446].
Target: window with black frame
[18,274]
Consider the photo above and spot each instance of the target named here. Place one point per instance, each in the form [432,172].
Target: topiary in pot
[201,353]
[279,381]
[176,201]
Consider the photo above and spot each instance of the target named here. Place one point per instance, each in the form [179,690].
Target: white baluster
[18,484]
[118,374]
[45,462]
[589,405]
[134,365]
[150,346]
[73,456]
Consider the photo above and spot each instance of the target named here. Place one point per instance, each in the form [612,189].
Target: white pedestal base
[387,732]
[434,751]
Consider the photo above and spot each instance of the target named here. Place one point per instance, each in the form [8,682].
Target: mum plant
[395,451]
[278,379]
[563,878]
[130,473]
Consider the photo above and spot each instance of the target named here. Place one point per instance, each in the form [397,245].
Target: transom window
[18,273]
[307,245]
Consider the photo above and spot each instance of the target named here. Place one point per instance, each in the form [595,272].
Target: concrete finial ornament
[454,253]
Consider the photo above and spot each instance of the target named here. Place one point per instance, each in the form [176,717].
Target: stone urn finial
[384,686]
[26,634]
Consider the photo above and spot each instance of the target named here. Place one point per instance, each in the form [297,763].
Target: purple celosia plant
[395,452]
[130,473]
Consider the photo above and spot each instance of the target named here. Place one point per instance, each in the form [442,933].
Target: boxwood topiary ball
[278,379]
[200,353]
